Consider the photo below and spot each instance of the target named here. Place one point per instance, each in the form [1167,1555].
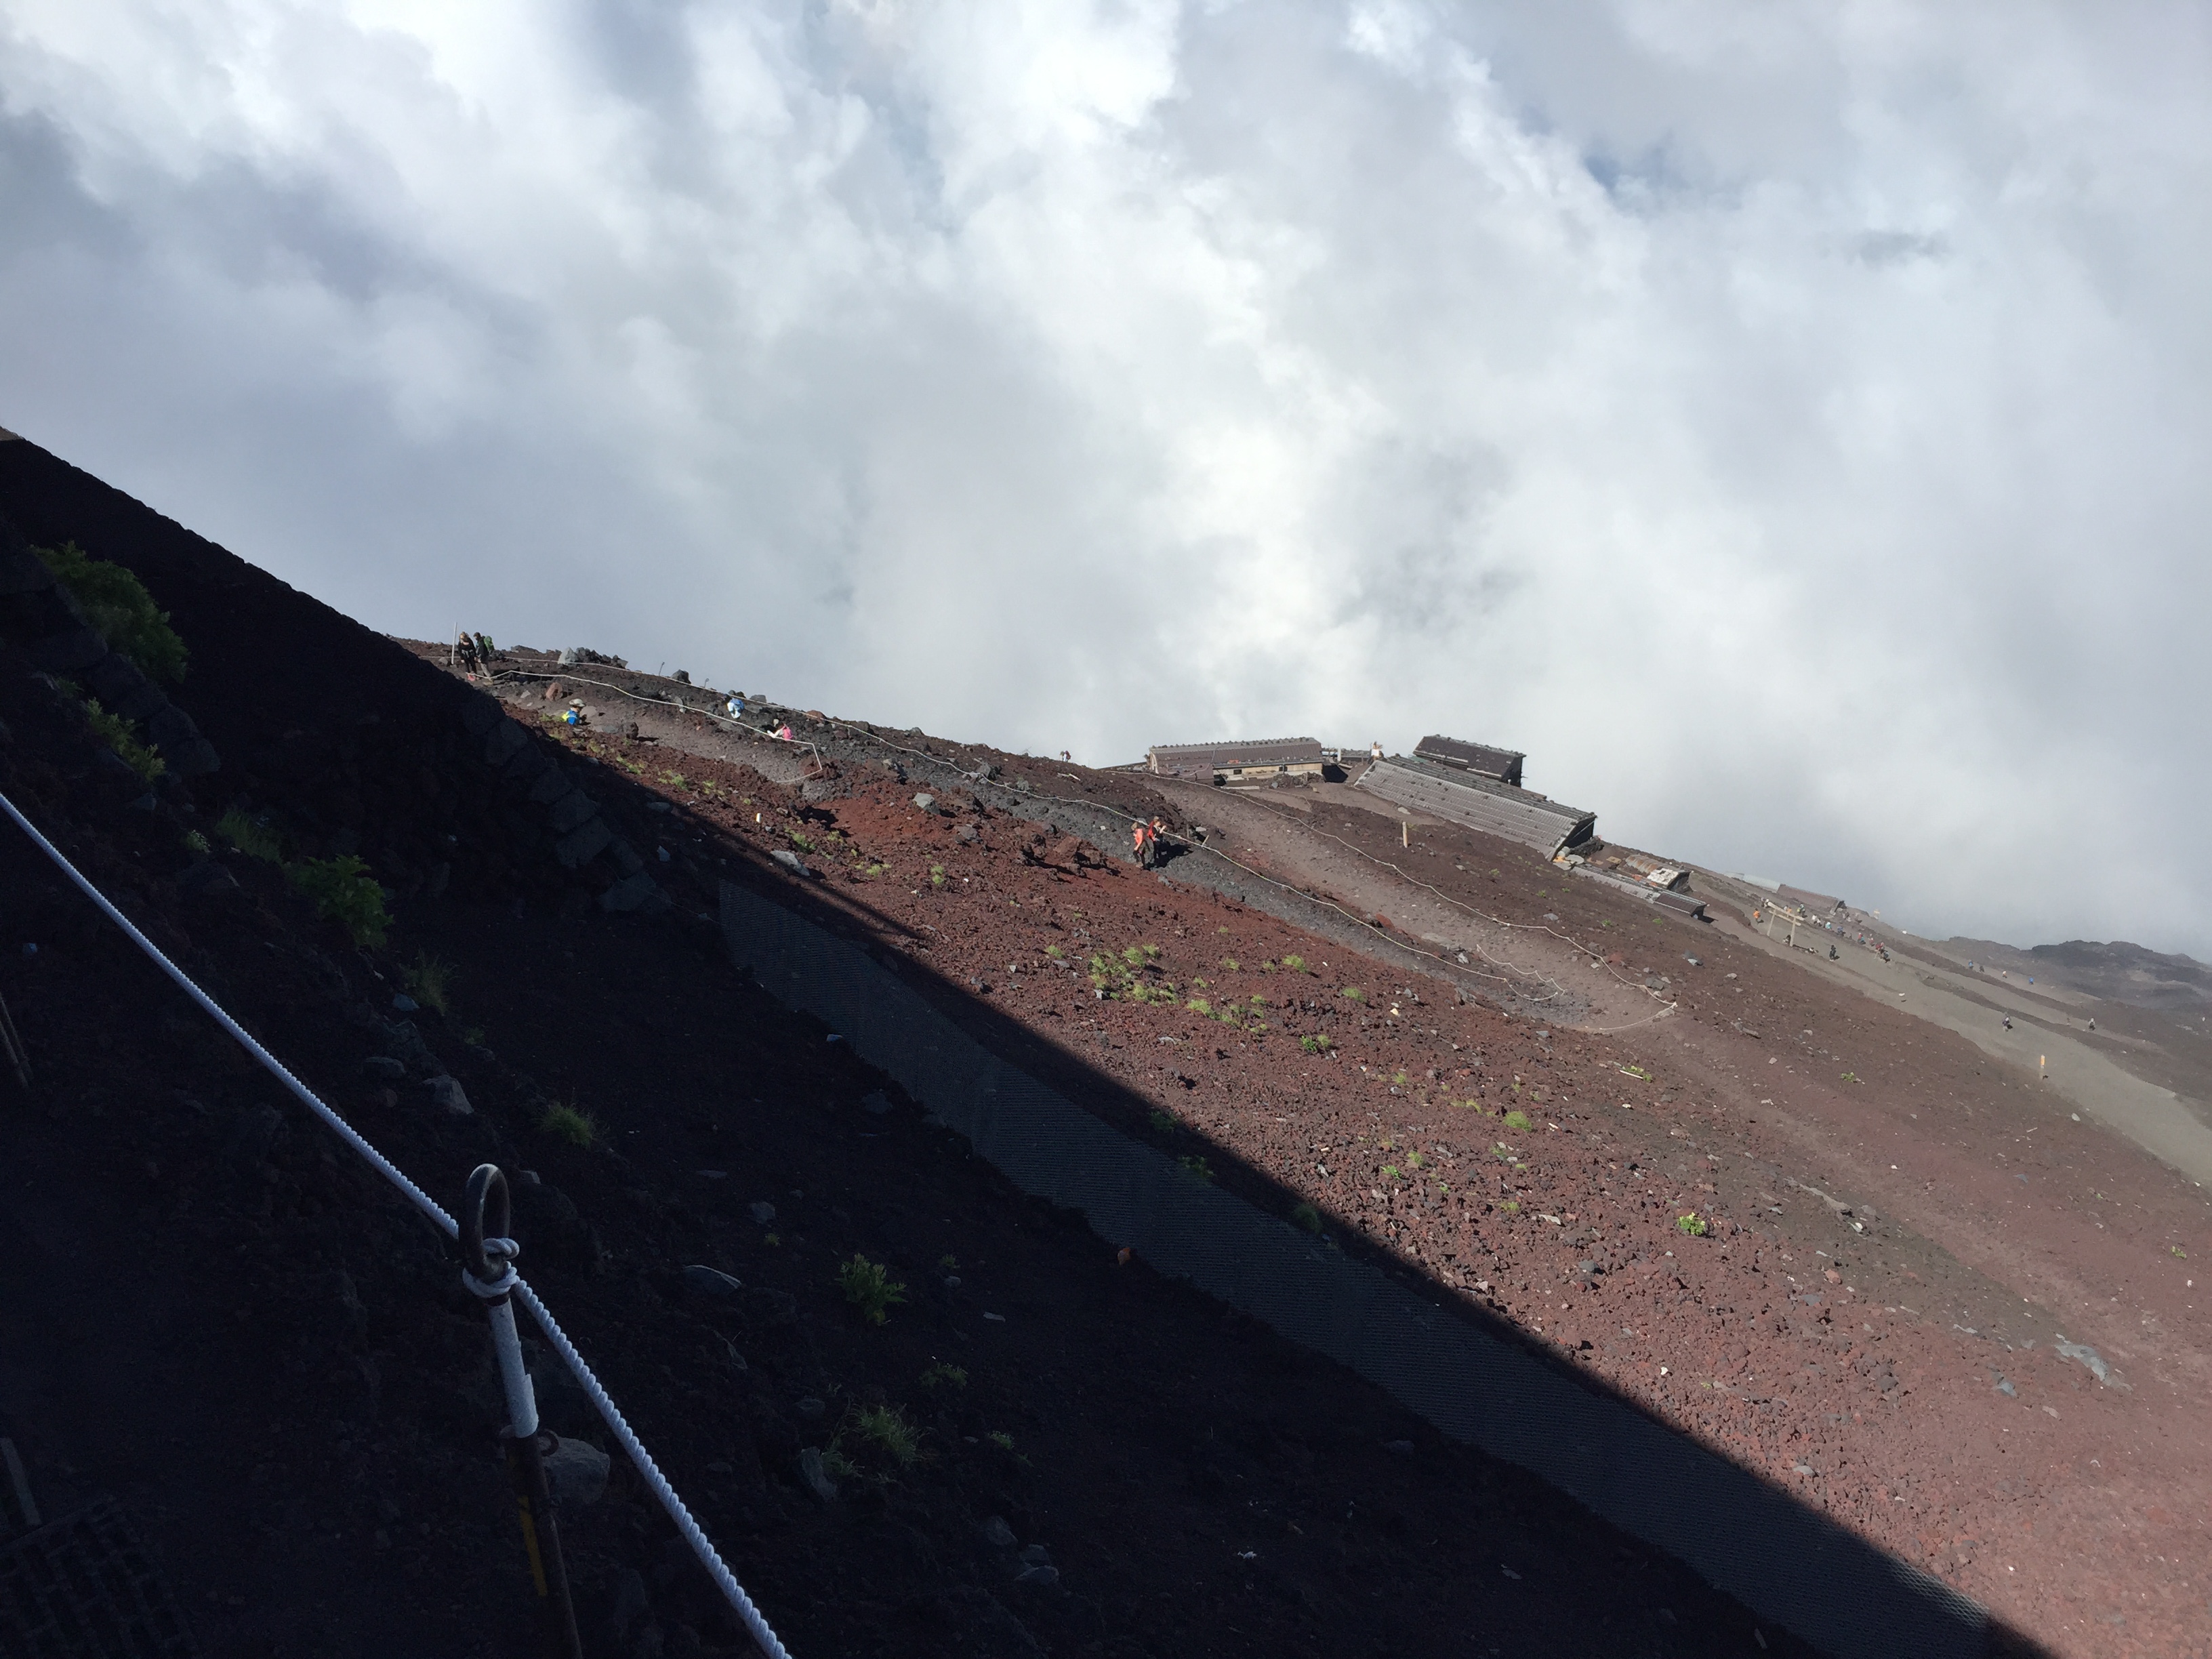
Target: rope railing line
[1484,915]
[709,1557]
[877,737]
[1510,978]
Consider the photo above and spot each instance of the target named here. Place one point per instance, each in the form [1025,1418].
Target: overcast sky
[1788,424]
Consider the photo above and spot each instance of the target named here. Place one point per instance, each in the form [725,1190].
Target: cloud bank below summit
[1786,425]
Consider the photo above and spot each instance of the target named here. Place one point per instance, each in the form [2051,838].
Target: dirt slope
[1911,1346]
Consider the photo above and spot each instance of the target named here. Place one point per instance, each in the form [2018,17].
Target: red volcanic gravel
[1558,1180]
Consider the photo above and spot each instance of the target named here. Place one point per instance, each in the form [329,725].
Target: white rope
[709,1557]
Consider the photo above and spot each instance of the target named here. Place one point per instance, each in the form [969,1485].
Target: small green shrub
[885,1428]
[1198,1006]
[1318,1043]
[941,1375]
[252,836]
[675,779]
[1296,965]
[1164,1123]
[799,841]
[1266,967]
[120,609]
[429,982]
[566,1123]
[1412,1160]
[1151,952]
[1229,964]
[1307,1217]
[1390,1172]
[196,843]
[1516,1120]
[1055,952]
[122,737]
[937,875]
[1511,1207]
[1694,1225]
[1134,957]
[1399,1078]
[869,1287]
[1353,993]
[1195,1167]
[1001,1439]
[343,892]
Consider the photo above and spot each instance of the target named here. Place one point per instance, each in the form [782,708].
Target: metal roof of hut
[1479,803]
[1503,764]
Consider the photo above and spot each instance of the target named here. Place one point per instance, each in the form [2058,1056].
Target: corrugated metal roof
[1194,757]
[1478,803]
[1811,903]
[1504,764]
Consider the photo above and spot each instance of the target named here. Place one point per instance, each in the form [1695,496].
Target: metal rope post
[488,1270]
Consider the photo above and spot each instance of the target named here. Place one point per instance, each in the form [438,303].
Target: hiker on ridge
[1142,835]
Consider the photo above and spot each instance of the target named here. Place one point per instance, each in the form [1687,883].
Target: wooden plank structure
[1502,764]
[1247,762]
[1479,803]
[1679,901]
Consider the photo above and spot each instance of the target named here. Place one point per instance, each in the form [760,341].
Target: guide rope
[709,1557]
[877,739]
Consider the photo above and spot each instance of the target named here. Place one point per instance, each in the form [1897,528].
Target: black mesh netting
[84,1588]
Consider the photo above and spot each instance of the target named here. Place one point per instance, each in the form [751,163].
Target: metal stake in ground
[488,1269]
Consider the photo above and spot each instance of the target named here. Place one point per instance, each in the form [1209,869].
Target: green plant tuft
[1195,1167]
[1198,1006]
[1307,1217]
[566,1123]
[885,1428]
[343,892]
[122,737]
[120,609]
[196,843]
[1319,1043]
[1516,1120]
[1296,965]
[1164,1123]
[429,982]
[252,836]
[1694,1225]
[869,1287]
[1353,993]
[941,1375]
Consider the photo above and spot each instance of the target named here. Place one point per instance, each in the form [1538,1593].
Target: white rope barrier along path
[709,1557]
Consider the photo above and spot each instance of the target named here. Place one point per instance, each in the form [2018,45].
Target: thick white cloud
[1785,422]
